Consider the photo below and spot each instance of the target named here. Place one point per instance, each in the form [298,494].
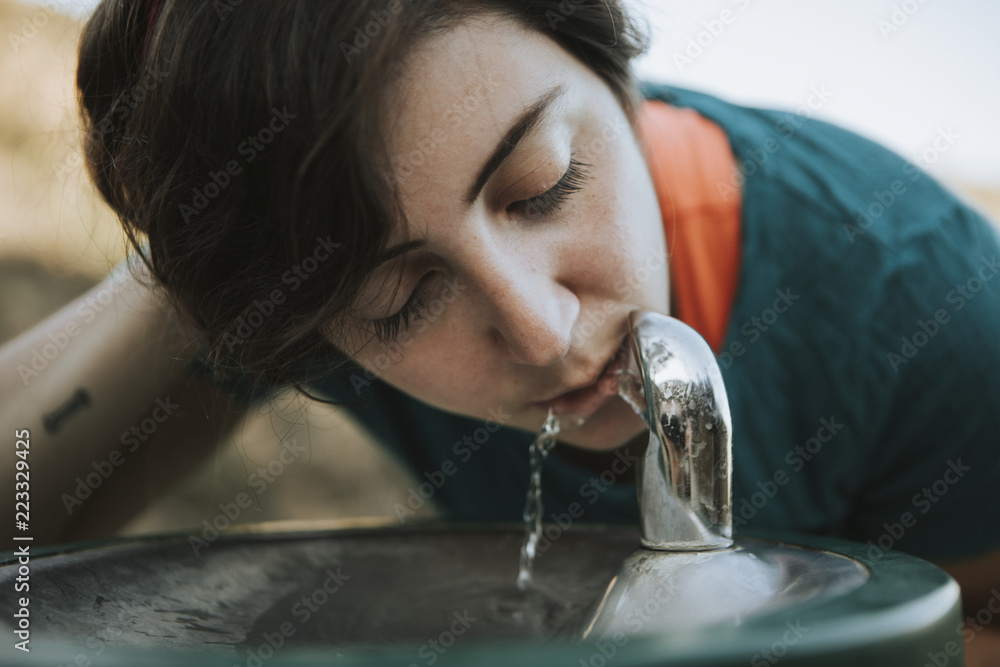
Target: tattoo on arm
[55,420]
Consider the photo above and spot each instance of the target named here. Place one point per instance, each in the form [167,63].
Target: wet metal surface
[378,587]
[369,587]
[671,592]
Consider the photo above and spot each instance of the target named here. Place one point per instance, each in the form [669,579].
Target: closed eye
[550,201]
[388,329]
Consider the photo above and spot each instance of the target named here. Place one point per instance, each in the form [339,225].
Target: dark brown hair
[241,138]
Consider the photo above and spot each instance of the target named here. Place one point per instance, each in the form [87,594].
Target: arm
[113,413]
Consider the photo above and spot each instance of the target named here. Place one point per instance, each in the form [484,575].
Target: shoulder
[792,161]
[821,203]
[888,322]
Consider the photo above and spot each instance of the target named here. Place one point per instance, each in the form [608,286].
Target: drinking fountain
[684,486]
[684,591]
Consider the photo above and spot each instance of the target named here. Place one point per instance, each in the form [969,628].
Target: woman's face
[536,231]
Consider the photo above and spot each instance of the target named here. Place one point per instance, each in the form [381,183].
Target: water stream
[537,453]
[630,391]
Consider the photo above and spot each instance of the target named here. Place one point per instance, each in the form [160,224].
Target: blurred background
[896,71]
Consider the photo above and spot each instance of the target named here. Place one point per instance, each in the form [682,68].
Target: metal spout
[689,569]
[683,481]
[690,575]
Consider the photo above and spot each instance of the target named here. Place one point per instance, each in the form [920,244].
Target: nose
[529,313]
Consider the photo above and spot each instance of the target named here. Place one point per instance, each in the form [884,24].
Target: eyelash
[388,329]
[552,199]
[547,203]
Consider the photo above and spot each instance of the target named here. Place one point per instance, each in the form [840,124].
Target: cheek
[442,366]
[647,274]
[623,243]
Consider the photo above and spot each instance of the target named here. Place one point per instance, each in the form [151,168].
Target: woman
[441,214]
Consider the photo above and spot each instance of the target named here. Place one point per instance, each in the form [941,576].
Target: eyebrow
[527,122]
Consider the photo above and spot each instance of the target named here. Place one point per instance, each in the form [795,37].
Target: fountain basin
[439,593]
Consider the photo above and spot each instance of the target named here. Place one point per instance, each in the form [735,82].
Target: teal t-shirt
[861,361]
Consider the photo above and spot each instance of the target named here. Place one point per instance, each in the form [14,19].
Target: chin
[610,427]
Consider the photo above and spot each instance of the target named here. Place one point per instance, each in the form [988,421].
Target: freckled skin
[541,301]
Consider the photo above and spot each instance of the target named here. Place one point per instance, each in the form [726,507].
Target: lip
[585,400]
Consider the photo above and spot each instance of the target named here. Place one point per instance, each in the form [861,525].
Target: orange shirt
[692,167]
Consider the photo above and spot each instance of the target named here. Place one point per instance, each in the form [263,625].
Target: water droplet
[630,391]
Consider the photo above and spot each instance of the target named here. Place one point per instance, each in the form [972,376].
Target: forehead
[458,93]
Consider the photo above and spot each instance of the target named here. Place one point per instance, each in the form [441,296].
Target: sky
[898,71]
